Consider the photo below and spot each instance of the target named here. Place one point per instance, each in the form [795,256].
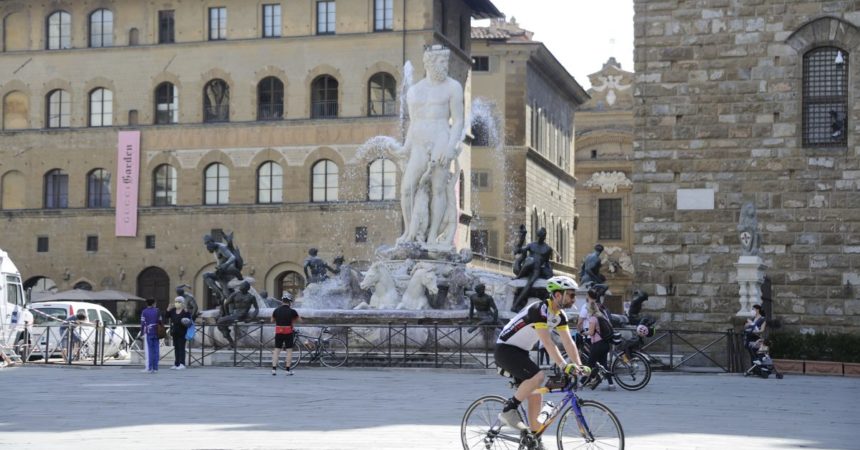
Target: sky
[582,34]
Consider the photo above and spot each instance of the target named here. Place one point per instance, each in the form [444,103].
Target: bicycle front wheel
[598,429]
[481,428]
[632,373]
[333,352]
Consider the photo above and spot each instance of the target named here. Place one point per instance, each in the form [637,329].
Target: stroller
[762,363]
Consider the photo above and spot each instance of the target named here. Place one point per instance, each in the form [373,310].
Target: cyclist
[530,325]
[284,317]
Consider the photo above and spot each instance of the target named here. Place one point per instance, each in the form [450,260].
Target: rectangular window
[825,97]
[481,63]
[360,234]
[383,15]
[325,17]
[166,33]
[271,20]
[609,219]
[42,244]
[217,23]
[150,241]
[480,180]
[92,243]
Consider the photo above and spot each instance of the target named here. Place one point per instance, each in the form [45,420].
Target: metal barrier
[368,345]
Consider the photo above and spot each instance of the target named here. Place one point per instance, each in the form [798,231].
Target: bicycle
[583,423]
[330,351]
[628,367]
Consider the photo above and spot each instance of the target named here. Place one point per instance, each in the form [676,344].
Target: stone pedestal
[750,277]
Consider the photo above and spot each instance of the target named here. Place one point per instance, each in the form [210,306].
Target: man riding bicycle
[530,325]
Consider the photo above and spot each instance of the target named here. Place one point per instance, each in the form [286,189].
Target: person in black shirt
[284,317]
[176,317]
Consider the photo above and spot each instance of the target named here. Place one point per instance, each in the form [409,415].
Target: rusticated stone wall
[718,106]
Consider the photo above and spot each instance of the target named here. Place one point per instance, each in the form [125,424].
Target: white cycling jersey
[520,331]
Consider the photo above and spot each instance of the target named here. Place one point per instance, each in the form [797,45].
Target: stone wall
[719,102]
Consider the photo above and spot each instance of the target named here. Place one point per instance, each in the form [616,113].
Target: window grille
[825,95]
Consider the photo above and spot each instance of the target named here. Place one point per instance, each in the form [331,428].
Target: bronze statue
[590,272]
[316,270]
[242,300]
[535,264]
[228,265]
[190,301]
[485,306]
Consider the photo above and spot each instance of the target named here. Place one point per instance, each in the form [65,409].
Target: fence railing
[435,345]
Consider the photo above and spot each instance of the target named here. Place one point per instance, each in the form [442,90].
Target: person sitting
[754,331]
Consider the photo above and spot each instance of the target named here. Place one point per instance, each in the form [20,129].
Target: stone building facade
[524,103]
[755,101]
[251,117]
[604,168]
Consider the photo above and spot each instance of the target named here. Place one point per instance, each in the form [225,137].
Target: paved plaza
[319,408]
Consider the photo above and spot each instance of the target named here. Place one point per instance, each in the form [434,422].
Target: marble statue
[433,142]
[316,270]
[535,264]
[414,297]
[379,279]
[590,271]
[228,265]
[748,227]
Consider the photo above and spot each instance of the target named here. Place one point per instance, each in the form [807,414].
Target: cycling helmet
[642,330]
[560,283]
[287,297]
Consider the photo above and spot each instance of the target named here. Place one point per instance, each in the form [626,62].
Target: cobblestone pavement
[319,408]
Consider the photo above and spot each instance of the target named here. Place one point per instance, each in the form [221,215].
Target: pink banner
[128,171]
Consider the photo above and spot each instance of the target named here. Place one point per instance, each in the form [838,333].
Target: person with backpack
[599,332]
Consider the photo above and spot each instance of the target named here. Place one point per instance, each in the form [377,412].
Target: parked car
[52,315]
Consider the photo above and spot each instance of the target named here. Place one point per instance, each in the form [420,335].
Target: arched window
[166,104]
[561,246]
[16,111]
[98,189]
[101,28]
[217,185]
[324,97]
[382,180]
[83,285]
[825,97]
[291,282]
[56,189]
[324,181]
[216,101]
[101,108]
[153,282]
[535,224]
[382,95]
[270,99]
[164,186]
[59,108]
[59,30]
[270,182]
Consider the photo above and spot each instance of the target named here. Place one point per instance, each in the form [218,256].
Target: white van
[48,319]
[15,319]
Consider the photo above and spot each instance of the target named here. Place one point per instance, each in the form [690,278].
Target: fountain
[422,275]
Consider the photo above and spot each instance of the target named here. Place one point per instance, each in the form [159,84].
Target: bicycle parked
[583,424]
[329,350]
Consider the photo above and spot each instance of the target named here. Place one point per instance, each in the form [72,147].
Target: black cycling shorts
[284,341]
[516,361]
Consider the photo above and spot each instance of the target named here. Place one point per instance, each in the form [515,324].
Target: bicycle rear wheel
[481,428]
[601,428]
[632,374]
[298,354]
[333,352]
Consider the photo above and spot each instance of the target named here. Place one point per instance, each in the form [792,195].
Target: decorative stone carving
[748,227]
[609,182]
[379,279]
[423,277]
